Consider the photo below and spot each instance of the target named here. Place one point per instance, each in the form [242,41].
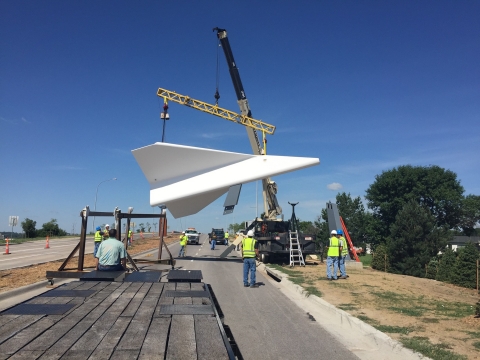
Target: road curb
[370,344]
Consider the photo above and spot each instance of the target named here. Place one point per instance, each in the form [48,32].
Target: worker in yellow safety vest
[249,253]
[334,250]
[97,239]
[105,233]
[226,237]
[343,255]
[183,245]
[129,237]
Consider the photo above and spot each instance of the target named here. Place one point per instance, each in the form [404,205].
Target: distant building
[460,241]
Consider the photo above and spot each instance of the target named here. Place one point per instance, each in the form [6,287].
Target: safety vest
[248,245]
[98,237]
[226,235]
[129,233]
[105,234]
[183,240]
[344,246]
[333,247]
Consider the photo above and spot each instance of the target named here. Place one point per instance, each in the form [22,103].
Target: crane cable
[217,94]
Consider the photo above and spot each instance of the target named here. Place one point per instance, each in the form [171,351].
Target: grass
[394,329]
[366,260]
[423,346]
[312,290]
[476,345]
[347,307]
[417,306]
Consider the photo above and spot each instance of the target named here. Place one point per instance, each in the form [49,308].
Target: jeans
[118,267]
[226,242]
[341,260]
[212,247]
[249,265]
[332,260]
[97,244]
[182,251]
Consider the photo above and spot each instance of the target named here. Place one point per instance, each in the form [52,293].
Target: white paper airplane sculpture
[186,179]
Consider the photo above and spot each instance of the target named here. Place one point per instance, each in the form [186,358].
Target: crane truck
[271,232]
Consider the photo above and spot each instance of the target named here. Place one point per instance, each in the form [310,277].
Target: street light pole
[96,195]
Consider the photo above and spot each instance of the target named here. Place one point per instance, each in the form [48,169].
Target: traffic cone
[47,245]
[141,234]
[7,247]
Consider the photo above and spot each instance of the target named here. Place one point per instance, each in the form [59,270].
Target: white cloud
[334,186]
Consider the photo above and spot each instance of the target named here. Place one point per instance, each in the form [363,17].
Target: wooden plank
[105,349]
[137,300]
[89,341]
[182,301]
[209,339]
[125,354]
[5,319]
[15,343]
[155,343]
[197,287]
[135,334]
[163,299]
[183,286]
[155,290]
[109,295]
[181,342]
[23,321]
[52,335]
[26,355]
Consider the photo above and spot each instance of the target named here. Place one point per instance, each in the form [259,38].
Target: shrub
[465,269]
[446,264]
[380,260]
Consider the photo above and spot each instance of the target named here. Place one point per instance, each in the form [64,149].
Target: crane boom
[217,111]
[270,203]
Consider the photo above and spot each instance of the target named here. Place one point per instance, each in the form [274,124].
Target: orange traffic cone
[7,247]
[141,234]
[47,245]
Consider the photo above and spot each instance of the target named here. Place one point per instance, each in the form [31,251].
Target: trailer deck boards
[116,320]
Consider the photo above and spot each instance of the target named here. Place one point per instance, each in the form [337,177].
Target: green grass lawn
[366,260]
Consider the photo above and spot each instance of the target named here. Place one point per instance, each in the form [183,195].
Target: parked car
[193,236]
[218,235]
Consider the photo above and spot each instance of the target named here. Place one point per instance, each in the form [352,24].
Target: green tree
[306,227]
[470,214]
[28,227]
[446,265]
[142,227]
[414,240]
[432,267]
[51,229]
[380,260]
[432,186]
[465,269]
[148,226]
[321,224]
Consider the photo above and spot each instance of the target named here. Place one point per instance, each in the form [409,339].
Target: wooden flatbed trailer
[124,319]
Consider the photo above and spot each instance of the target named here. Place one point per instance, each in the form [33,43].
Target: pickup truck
[193,236]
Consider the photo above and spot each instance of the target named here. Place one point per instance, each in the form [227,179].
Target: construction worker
[226,237]
[213,241]
[111,254]
[249,253]
[183,244]
[129,237]
[97,239]
[343,254]
[334,251]
[105,233]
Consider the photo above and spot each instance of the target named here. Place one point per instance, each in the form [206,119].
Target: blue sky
[363,85]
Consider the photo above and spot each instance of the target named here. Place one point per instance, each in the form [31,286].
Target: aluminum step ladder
[296,256]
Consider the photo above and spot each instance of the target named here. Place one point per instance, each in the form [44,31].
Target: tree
[432,187]
[446,265]
[470,216]
[148,226]
[465,269]
[306,227]
[414,240]
[432,268]
[28,227]
[380,259]
[142,227]
[51,229]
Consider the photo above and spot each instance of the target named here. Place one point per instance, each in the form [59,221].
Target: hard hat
[334,232]
[183,232]
[250,233]
[98,228]
[107,225]
[339,232]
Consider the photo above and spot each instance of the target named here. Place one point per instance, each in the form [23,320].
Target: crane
[217,111]
[270,203]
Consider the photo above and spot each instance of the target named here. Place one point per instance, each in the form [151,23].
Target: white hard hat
[250,233]
[183,232]
[107,225]
[334,232]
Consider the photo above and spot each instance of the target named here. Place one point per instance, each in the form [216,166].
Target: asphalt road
[264,322]
[34,252]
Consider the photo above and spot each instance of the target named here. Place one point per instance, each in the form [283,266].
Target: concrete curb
[362,339]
